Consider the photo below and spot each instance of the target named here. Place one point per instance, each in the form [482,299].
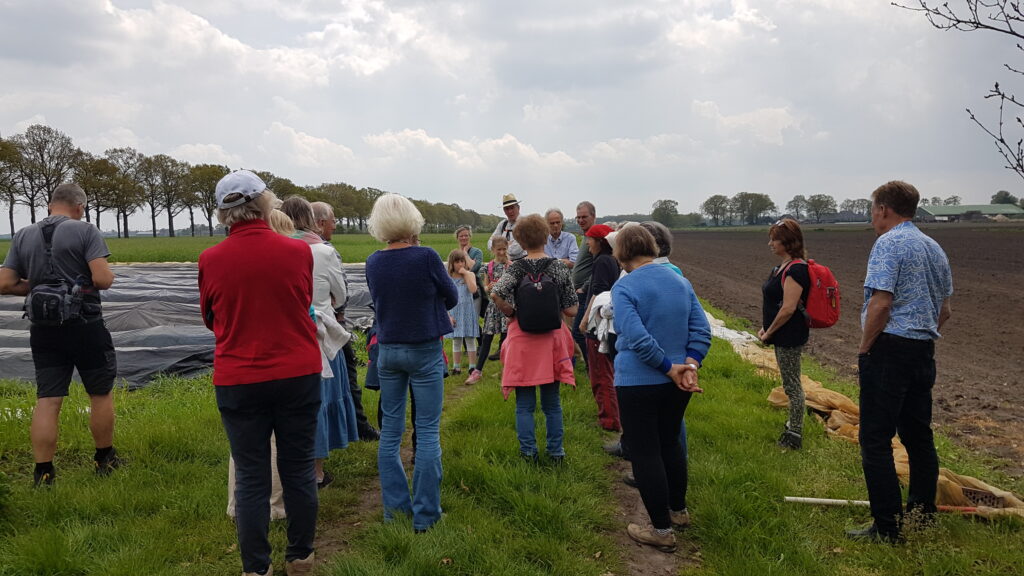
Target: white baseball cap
[241,182]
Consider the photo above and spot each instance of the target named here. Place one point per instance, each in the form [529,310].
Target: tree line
[123,181]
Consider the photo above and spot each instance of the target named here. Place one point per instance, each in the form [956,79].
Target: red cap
[599,231]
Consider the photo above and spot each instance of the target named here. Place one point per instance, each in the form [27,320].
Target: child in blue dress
[464,315]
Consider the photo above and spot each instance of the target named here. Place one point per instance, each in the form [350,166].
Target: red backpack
[822,309]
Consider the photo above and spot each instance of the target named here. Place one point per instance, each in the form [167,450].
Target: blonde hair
[394,217]
[258,209]
[280,222]
[456,256]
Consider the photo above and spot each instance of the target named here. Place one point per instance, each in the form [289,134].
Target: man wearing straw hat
[510,206]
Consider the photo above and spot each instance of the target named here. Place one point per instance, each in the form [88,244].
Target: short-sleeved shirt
[504,230]
[74,245]
[562,247]
[795,331]
[559,272]
[914,269]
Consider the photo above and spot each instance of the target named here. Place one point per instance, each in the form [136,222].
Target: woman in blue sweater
[411,293]
[663,336]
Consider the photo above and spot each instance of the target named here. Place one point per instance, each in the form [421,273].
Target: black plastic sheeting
[152,312]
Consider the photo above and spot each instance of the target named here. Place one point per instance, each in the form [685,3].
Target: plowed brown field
[981,355]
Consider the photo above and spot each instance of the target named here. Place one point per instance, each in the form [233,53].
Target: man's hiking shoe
[679,519]
[108,464]
[474,376]
[791,440]
[42,479]
[647,535]
[300,566]
[873,534]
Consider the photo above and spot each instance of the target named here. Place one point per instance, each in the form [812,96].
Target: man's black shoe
[873,534]
[43,479]
[108,463]
[369,434]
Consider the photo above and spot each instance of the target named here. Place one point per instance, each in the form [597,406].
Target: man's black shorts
[58,350]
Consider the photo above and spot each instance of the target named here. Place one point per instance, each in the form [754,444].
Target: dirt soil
[979,357]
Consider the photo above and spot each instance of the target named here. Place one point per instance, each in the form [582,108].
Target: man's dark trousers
[896,379]
[357,392]
[577,330]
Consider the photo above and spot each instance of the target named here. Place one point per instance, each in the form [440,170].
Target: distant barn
[968,212]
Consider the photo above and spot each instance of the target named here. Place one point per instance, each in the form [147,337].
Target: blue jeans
[896,379]
[551,404]
[250,412]
[418,368]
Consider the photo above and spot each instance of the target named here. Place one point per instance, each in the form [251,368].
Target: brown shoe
[301,566]
[647,535]
[680,519]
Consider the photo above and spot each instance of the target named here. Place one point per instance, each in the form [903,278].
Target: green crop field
[353,247]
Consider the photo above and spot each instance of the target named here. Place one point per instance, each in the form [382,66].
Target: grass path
[163,514]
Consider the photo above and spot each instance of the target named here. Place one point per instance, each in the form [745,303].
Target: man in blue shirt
[560,246]
[906,302]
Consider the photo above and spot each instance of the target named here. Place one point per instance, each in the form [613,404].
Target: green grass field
[163,513]
[353,247]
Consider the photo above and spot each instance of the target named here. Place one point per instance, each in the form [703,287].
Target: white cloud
[23,125]
[765,125]
[303,150]
[206,154]
[498,153]
[660,150]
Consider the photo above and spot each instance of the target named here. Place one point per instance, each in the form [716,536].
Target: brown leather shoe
[301,566]
[680,519]
[647,535]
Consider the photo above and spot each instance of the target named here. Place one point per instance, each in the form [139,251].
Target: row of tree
[123,181]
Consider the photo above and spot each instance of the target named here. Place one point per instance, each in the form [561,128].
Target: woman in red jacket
[255,290]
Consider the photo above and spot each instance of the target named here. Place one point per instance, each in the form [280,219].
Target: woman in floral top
[531,359]
[494,321]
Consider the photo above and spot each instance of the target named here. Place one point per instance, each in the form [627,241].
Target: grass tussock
[163,513]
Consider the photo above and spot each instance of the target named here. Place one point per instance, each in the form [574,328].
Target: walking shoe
[615,449]
[529,458]
[328,478]
[791,440]
[269,572]
[871,533]
[456,371]
[647,535]
[474,376]
[369,434]
[300,566]
[557,460]
[108,464]
[44,479]
[680,519]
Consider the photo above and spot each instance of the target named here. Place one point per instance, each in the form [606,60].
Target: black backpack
[537,299]
[52,301]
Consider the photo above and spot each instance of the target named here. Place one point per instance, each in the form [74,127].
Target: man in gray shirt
[78,256]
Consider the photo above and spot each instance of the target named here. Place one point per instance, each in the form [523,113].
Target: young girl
[494,321]
[463,316]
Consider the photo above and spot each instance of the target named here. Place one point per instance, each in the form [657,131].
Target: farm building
[968,212]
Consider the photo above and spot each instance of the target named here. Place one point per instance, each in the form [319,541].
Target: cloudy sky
[621,103]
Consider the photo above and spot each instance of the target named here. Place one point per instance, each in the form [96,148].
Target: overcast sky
[620,103]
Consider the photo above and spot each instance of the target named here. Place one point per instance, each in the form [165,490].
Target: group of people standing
[273,292]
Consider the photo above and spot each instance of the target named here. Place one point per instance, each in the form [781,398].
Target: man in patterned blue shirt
[906,302]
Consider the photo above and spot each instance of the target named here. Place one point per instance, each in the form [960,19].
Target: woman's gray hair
[662,236]
[461,228]
[257,209]
[301,212]
[394,217]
